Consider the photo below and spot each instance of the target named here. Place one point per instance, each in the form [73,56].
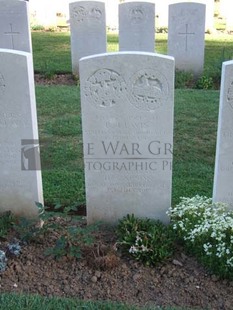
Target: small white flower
[133,249]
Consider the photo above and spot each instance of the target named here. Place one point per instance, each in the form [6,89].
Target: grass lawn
[52,54]
[26,302]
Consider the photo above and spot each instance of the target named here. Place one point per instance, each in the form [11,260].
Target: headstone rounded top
[187,3]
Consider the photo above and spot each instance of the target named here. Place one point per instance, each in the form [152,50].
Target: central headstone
[20,174]
[127,118]
[88,30]
[14,25]
[137,26]
[223,177]
[186,36]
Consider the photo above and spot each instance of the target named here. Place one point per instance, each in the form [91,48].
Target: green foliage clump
[161,29]
[28,229]
[3,261]
[72,233]
[146,240]
[6,223]
[37,27]
[206,228]
[205,82]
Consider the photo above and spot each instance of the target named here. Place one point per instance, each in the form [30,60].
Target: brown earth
[56,79]
[103,273]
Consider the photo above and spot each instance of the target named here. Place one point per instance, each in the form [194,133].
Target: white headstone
[209,21]
[127,118]
[186,36]
[43,12]
[14,25]
[20,175]
[112,14]
[223,176]
[88,30]
[137,26]
[162,12]
[226,11]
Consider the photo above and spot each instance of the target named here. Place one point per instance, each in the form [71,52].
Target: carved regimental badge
[137,15]
[105,88]
[230,94]
[80,13]
[148,90]
[95,13]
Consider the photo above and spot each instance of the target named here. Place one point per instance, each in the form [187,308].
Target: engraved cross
[12,33]
[186,33]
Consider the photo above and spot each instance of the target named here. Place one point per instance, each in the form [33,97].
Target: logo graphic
[30,155]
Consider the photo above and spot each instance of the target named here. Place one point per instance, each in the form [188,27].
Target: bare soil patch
[103,273]
[55,79]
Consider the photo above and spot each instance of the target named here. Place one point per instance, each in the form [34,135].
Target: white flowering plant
[3,261]
[145,240]
[206,228]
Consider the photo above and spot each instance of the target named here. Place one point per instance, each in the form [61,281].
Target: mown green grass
[59,123]
[34,302]
[195,130]
[218,48]
[195,127]
[52,53]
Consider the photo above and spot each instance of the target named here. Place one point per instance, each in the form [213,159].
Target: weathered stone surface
[186,36]
[14,25]
[223,177]
[127,119]
[20,175]
[88,30]
[137,26]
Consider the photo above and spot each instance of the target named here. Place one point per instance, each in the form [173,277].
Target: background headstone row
[186,31]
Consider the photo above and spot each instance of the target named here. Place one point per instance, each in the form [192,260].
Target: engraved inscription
[148,90]
[186,33]
[9,154]
[230,95]
[105,88]
[13,121]
[135,183]
[227,133]
[10,185]
[81,13]
[137,15]
[226,167]
[12,34]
